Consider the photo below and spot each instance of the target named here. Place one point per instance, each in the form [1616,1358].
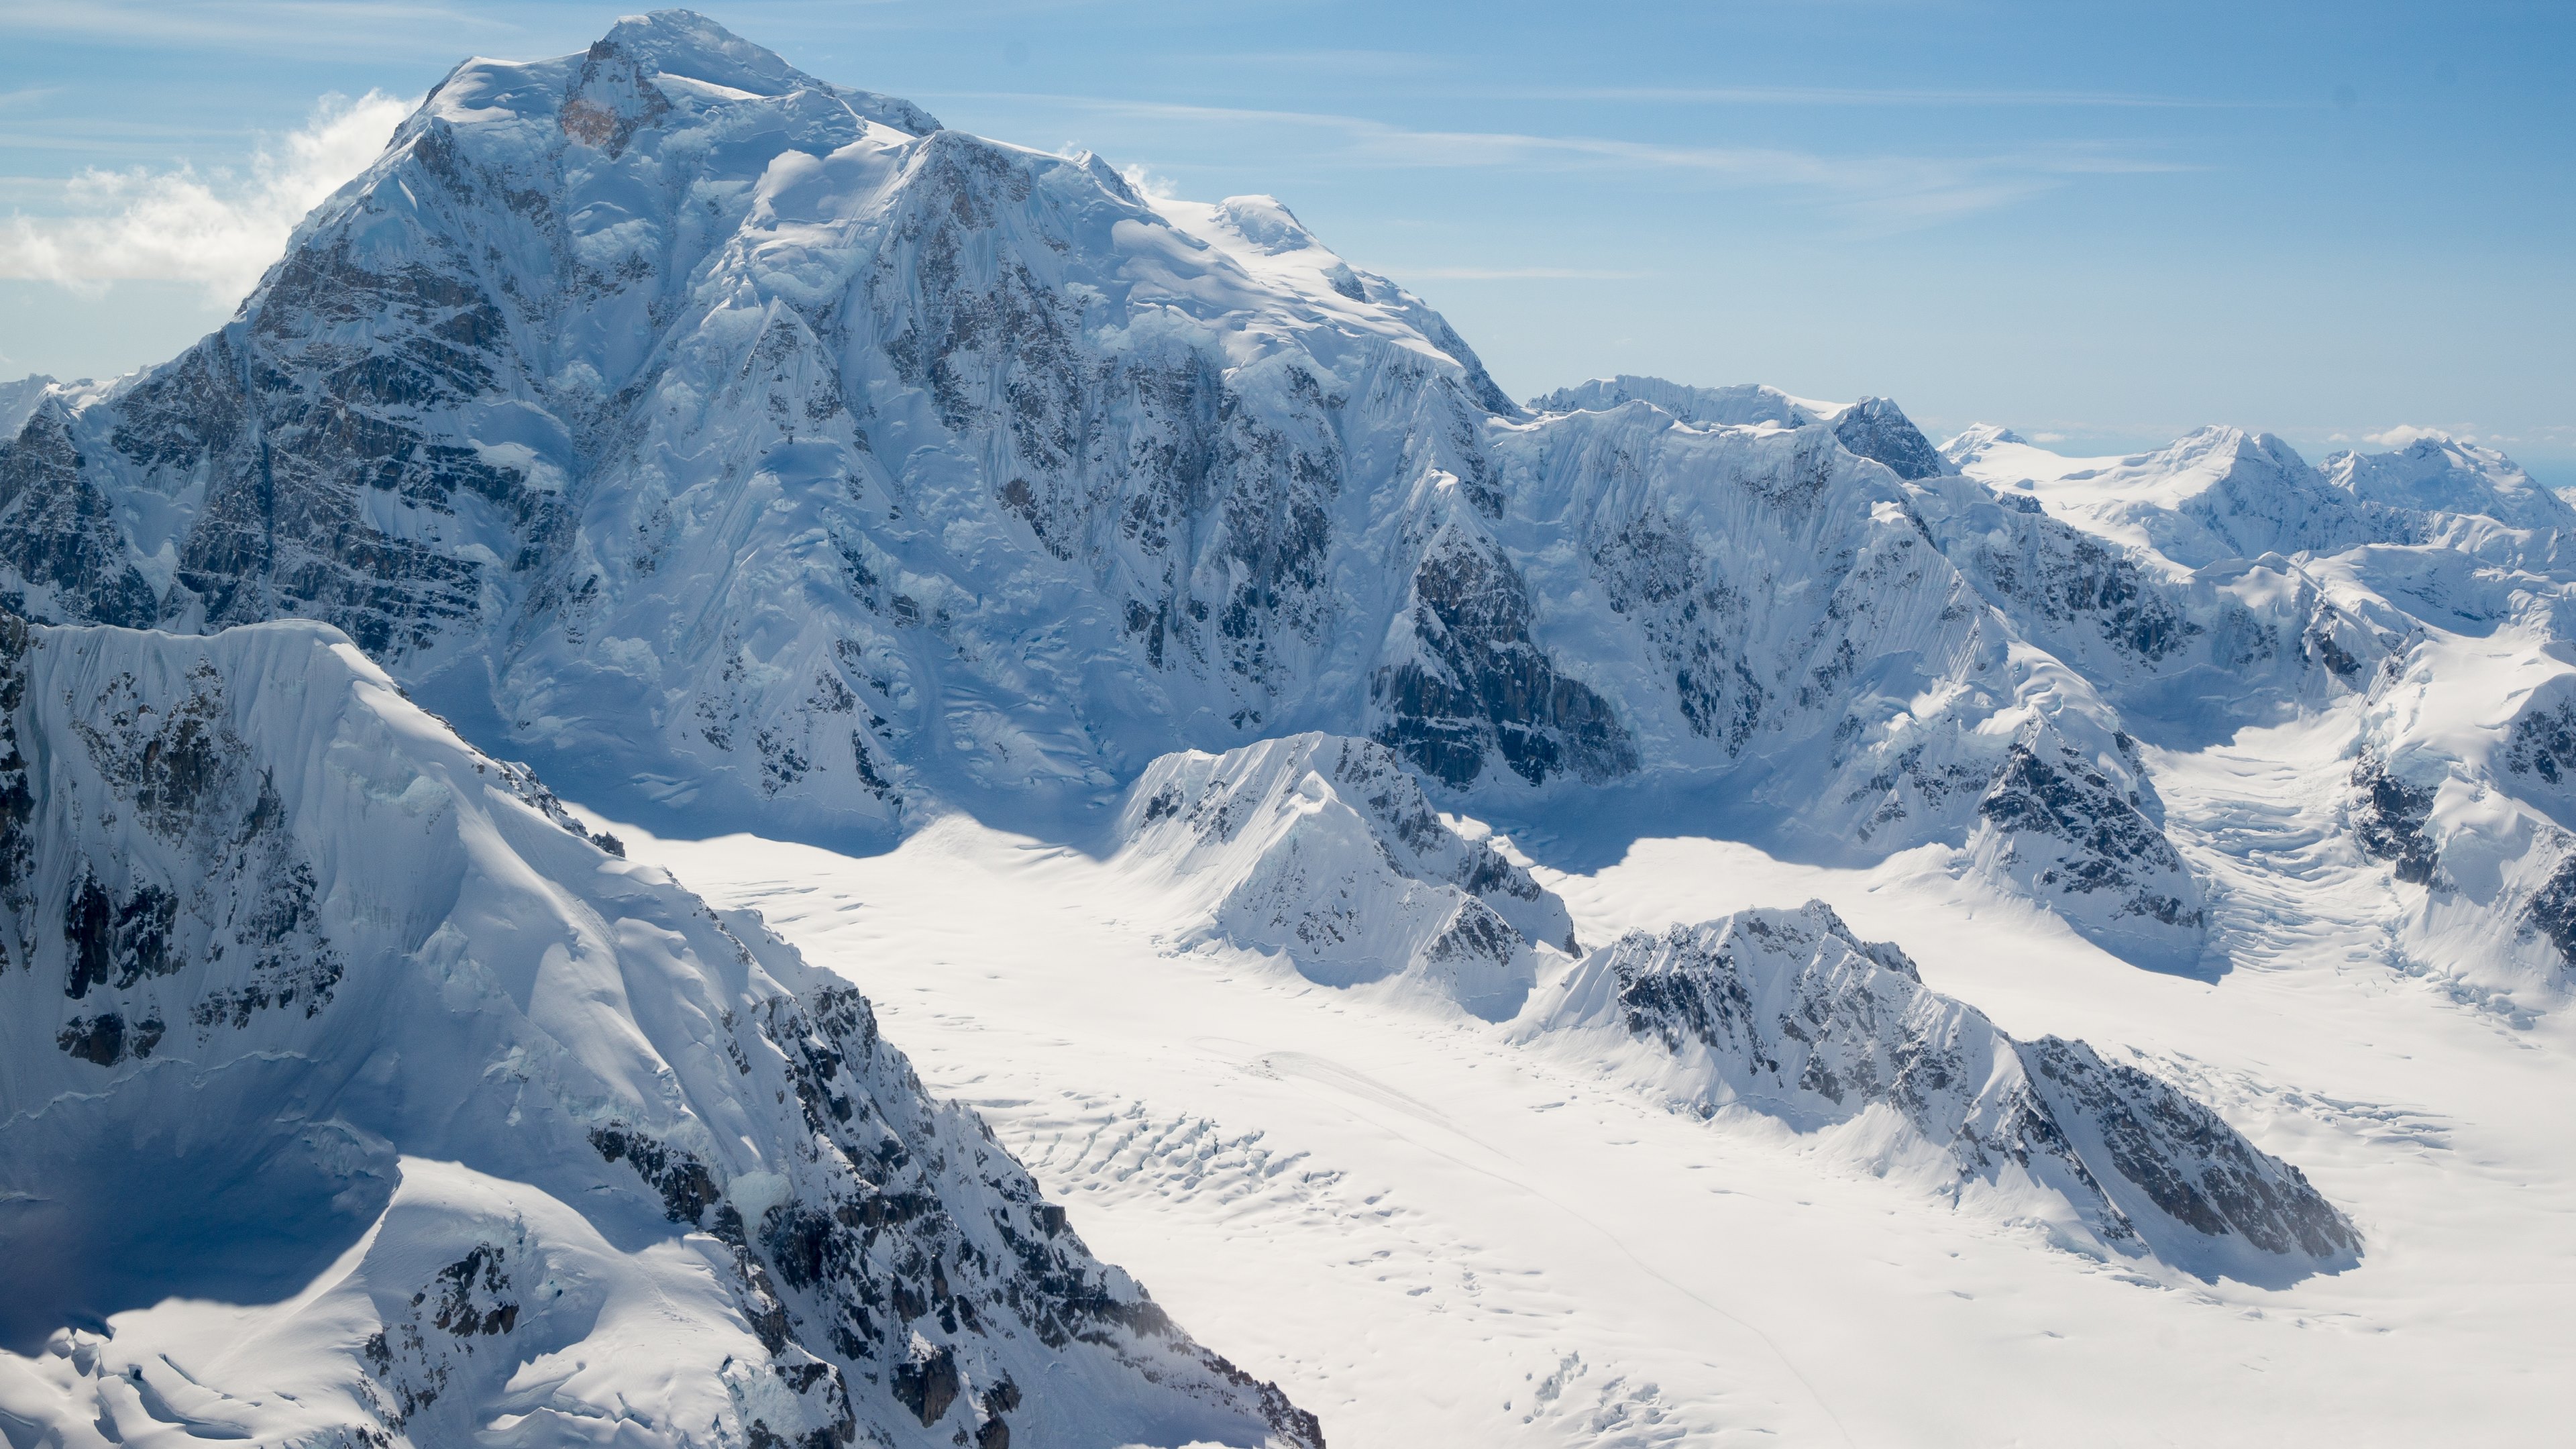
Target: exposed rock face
[2055,815]
[1478,690]
[1789,1014]
[2388,819]
[1327,850]
[59,540]
[1873,428]
[308,1007]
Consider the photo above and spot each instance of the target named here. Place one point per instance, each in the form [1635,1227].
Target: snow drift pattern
[308,1007]
[1789,1014]
[1326,849]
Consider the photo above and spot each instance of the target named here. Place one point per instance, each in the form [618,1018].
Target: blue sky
[2106,222]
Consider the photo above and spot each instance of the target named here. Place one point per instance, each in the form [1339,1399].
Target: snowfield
[1432,1234]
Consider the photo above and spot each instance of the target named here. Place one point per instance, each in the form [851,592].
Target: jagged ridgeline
[1791,1015]
[722,439]
[415,1110]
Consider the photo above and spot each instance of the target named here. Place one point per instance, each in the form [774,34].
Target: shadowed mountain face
[312,1010]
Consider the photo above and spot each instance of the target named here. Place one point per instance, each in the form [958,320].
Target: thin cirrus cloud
[1873,192]
[303,26]
[1862,96]
[1519,274]
[219,229]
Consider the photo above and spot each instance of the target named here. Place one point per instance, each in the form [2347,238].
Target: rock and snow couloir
[369,1104]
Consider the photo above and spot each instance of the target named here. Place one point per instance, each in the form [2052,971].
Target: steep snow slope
[351,1097]
[1327,850]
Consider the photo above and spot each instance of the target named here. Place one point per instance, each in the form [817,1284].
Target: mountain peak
[686,44]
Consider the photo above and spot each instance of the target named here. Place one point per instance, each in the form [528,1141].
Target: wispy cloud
[297,25]
[1516,274]
[1335,62]
[220,229]
[1856,96]
[1880,192]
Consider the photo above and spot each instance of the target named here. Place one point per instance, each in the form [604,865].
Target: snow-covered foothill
[354,1097]
[1326,849]
[1789,1014]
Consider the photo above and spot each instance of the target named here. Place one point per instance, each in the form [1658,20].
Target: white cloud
[2407,434]
[219,228]
[2048,438]
[1146,184]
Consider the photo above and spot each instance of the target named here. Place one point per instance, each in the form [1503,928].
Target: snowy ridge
[1326,849]
[2439,475]
[2430,592]
[1789,1014]
[1872,428]
[366,1103]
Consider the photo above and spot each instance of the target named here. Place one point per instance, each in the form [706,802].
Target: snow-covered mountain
[379,1107]
[1111,607]
[699,429]
[1789,1014]
[2427,596]
[1326,849]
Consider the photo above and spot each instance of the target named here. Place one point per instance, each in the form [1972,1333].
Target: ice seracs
[1788,1014]
[354,1098]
